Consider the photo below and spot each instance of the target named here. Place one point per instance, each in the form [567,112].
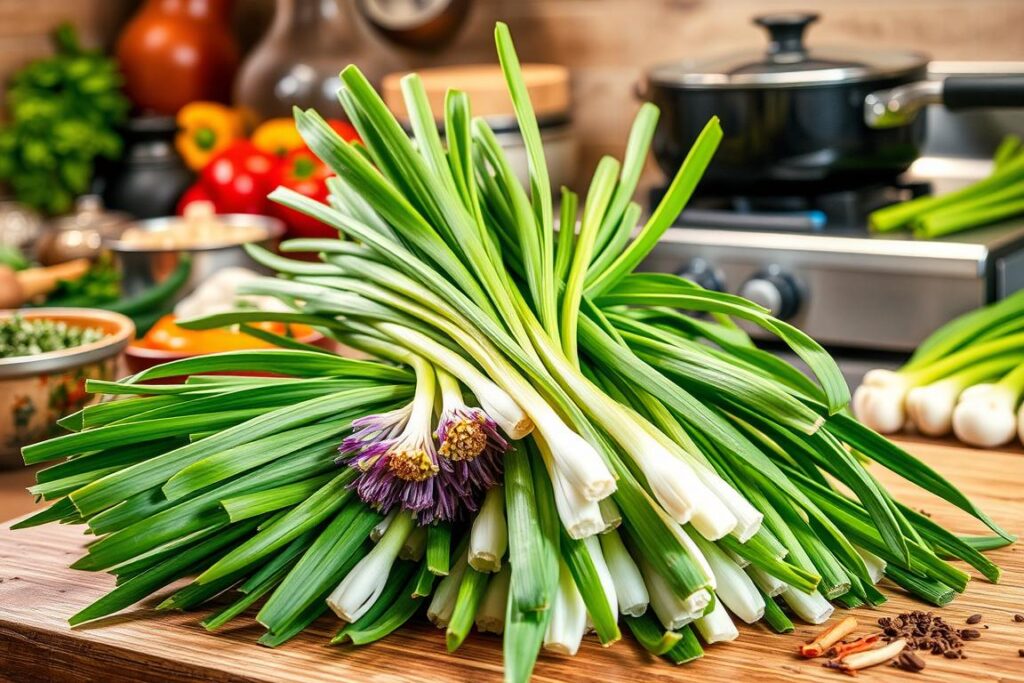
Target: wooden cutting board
[38,592]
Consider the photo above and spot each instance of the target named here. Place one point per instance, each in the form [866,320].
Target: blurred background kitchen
[607,44]
[138,140]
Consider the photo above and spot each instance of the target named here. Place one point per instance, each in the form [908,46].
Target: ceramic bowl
[38,390]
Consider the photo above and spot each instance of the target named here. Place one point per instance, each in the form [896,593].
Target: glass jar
[298,60]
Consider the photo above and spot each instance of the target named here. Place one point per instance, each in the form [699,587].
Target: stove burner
[843,211]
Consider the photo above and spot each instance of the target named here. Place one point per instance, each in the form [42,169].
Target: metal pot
[151,176]
[143,267]
[802,120]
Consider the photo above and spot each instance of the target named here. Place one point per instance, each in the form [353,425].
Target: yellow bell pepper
[277,136]
[205,128]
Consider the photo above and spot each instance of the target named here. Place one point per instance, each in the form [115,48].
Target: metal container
[143,267]
[80,234]
[808,119]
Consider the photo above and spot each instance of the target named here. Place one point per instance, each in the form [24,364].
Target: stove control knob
[774,289]
[704,274]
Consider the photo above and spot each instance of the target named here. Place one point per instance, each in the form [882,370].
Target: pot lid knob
[787,34]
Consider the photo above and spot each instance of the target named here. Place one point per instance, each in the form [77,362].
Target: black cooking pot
[799,120]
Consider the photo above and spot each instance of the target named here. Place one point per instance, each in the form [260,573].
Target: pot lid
[787,61]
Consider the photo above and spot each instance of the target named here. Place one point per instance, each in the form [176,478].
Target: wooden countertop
[38,593]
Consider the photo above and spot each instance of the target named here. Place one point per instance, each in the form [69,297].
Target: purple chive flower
[471,450]
[465,433]
[371,436]
[396,460]
[400,465]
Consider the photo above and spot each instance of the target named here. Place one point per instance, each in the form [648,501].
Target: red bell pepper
[303,172]
[345,129]
[196,193]
[239,178]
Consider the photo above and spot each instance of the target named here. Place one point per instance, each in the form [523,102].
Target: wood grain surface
[38,593]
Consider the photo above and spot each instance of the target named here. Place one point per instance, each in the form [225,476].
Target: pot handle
[973,92]
[900,105]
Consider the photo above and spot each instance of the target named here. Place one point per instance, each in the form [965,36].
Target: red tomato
[238,178]
[303,172]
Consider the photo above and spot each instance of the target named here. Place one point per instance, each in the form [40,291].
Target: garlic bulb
[878,401]
[930,407]
[987,419]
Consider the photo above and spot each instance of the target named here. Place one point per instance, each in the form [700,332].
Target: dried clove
[925,632]
[908,661]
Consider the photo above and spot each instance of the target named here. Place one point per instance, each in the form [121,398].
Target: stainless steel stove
[813,262]
[849,289]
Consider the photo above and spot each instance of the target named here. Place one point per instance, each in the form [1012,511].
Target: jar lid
[787,62]
[547,84]
[89,214]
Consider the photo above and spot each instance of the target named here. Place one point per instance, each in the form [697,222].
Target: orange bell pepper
[165,335]
[277,137]
[205,128]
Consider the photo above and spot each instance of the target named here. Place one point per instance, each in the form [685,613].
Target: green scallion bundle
[545,442]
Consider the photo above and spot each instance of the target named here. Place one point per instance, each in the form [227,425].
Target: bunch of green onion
[998,197]
[621,462]
[966,378]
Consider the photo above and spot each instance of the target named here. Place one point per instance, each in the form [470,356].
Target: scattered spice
[923,631]
[908,661]
[925,513]
[1019,618]
[1020,652]
[974,619]
[829,637]
[853,663]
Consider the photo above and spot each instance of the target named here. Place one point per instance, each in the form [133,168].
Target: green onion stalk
[995,198]
[543,441]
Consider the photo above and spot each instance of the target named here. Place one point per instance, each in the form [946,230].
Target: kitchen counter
[38,593]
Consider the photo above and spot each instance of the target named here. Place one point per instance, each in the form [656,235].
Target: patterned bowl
[38,390]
